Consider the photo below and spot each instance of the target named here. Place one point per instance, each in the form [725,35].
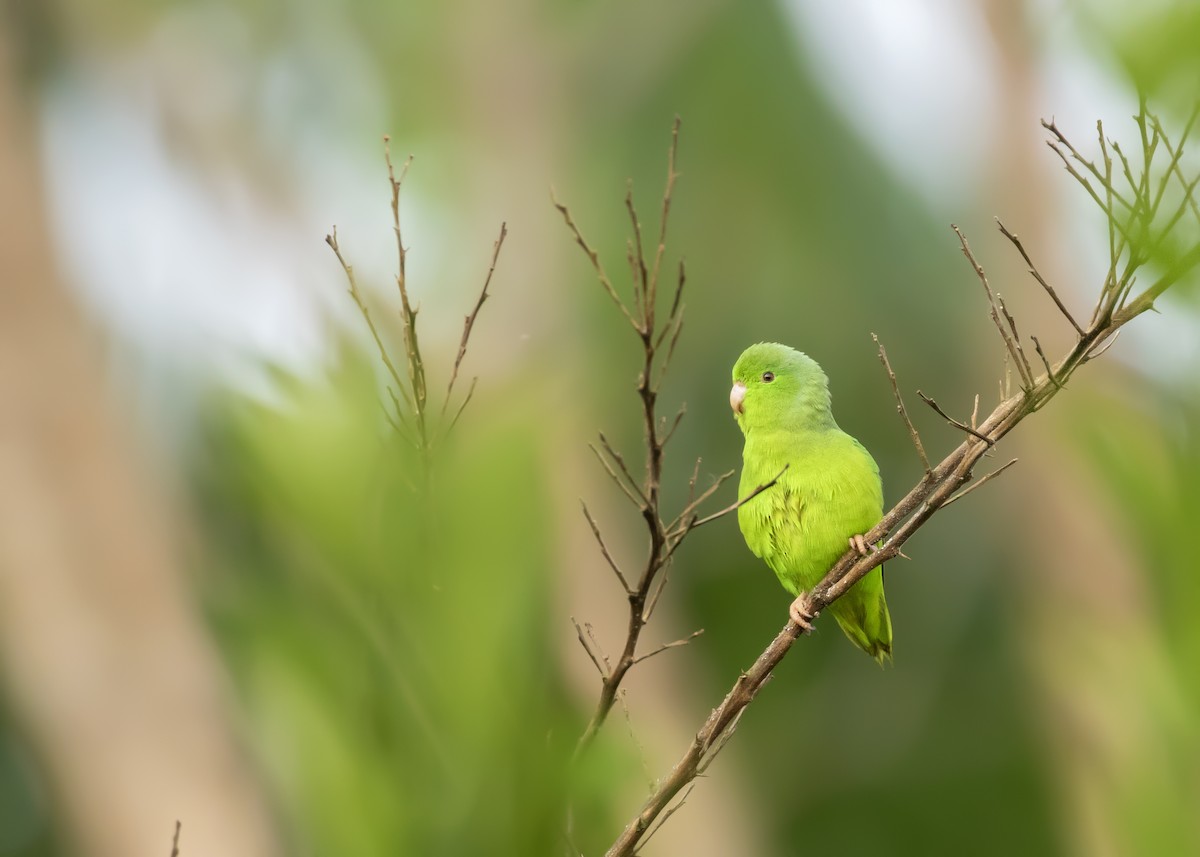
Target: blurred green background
[226,598]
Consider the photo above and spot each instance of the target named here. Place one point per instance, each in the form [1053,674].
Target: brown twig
[1014,348]
[983,481]
[900,409]
[603,548]
[469,321]
[941,486]
[1011,236]
[175,839]
[674,644]
[587,647]
[732,507]
[408,313]
[961,426]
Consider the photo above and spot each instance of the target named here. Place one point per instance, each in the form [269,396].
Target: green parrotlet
[827,498]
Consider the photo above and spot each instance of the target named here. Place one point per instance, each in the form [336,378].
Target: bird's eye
[768,377]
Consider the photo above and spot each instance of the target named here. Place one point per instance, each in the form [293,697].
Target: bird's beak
[736,396]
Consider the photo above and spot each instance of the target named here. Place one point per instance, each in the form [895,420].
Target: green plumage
[830,492]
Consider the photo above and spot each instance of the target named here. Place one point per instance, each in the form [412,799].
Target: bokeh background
[225,598]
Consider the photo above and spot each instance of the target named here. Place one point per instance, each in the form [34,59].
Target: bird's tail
[863,616]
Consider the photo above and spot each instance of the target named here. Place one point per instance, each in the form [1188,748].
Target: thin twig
[597,266]
[408,313]
[620,460]
[1037,275]
[733,507]
[1045,361]
[1013,347]
[623,696]
[633,493]
[587,648]
[1016,338]
[694,504]
[469,322]
[332,240]
[674,644]
[964,492]
[674,808]
[175,840]
[963,426]
[603,548]
[461,407]
[903,411]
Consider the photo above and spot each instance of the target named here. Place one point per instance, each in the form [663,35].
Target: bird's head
[775,386]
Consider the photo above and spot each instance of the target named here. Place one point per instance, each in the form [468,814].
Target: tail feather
[863,616]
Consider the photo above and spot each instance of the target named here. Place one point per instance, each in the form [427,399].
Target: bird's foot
[802,613]
[860,546]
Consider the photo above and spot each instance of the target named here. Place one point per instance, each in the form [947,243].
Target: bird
[828,495]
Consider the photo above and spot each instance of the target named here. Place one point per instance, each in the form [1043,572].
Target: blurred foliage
[391,644]
[1145,451]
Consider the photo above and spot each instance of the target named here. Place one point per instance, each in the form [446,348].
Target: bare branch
[900,409]
[469,322]
[408,313]
[603,548]
[594,258]
[963,426]
[667,815]
[1027,372]
[1045,362]
[1011,236]
[733,507]
[175,839]
[675,644]
[1013,347]
[365,312]
[462,407]
[694,504]
[634,495]
[676,304]
[964,492]
[583,641]
[620,460]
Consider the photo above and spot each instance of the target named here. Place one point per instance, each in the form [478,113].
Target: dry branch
[643,490]
[409,392]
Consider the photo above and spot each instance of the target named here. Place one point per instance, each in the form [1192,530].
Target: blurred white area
[209,266]
[205,267]
[917,80]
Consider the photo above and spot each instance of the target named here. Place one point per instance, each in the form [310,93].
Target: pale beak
[736,396]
